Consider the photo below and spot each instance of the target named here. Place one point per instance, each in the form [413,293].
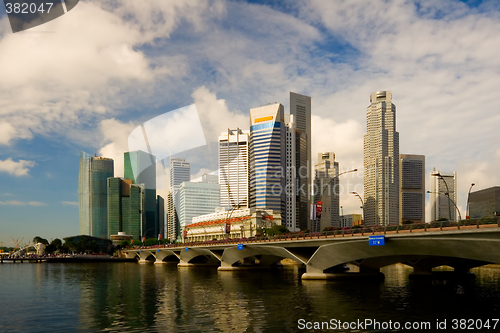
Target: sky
[87,79]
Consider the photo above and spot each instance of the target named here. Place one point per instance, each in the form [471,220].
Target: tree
[39,239]
[151,242]
[57,243]
[124,243]
[276,230]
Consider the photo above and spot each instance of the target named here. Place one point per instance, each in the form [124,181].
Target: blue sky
[85,80]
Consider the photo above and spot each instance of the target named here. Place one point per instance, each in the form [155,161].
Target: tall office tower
[441,206]
[126,207]
[171,230]
[326,192]
[412,177]
[160,213]
[296,177]
[197,199]
[180,171]
[300,109]
[141,168]
[92,194]
[233,168]
[268,159]
[381,162]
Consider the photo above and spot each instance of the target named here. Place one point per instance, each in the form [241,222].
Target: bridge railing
[347,232]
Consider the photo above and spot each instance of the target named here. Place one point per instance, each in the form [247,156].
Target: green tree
[277,230]
[151,242]
[39,239]
[124,243]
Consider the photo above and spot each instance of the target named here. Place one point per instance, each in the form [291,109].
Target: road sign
[240,246]
[157,250]
[186,249]
[376,240]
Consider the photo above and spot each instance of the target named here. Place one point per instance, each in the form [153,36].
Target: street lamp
[362,203]
[467,208]
[458,210]
[447,190]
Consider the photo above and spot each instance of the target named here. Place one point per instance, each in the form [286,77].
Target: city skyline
[336,59]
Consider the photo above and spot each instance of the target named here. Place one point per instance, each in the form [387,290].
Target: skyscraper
[300,109]
[233,168]
[180,171]
[326,191]
[297,191]
[268,158]
[197,199]
[92,194]
[412,176]
[381,161]
[441,206]
[141,168]
[160,214]
[126,207]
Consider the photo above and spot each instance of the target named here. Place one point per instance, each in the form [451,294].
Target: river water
[130,297]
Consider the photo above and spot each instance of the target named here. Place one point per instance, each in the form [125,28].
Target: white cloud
[19,168]
[215,115]
[22,203]
[115,139]
[70,203]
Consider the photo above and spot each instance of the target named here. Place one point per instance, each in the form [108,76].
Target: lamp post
[467,208]
[447,191]
[328,184]
[458,210]
[362,203]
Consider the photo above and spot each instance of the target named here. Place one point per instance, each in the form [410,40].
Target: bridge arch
[419,252]
[267,255]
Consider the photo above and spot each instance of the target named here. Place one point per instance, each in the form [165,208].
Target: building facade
[381,162]
[326,192]
[350,220]
[180,171]
[236,223]
[443,195]
[268,158]
[233,168]
[92,194]
[197,199]
[485,203]
[126,207]
[300,110]
[412,177]
[141,168]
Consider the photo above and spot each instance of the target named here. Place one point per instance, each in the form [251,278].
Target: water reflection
[163,298]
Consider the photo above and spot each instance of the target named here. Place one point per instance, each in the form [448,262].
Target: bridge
[324,256]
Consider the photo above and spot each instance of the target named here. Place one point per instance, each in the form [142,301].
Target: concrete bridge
[324,257]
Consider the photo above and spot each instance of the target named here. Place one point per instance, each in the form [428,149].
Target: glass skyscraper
[268,158]
[180,171]
[125,207]
[141,168]
[381,161]
[92,194]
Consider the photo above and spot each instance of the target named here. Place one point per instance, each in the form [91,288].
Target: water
[129,297]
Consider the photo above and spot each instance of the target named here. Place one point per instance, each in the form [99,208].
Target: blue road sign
[376,240]
[186,249]
[157,250]
[240,246]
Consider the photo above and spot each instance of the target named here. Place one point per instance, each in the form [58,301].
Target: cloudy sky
[85,80]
